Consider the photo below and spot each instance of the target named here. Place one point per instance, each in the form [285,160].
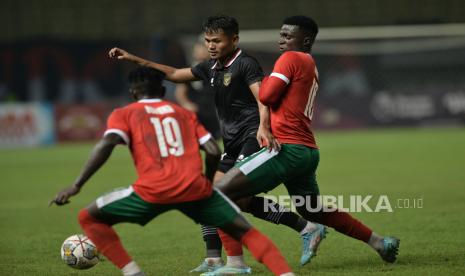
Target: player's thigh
[216,210]
[262,170]
[124,205]
[302,162]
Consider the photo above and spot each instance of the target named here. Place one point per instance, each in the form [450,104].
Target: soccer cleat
[208,266]
[310,242]
[227,270]
[390,249]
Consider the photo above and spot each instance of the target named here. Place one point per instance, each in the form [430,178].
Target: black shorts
[231,156]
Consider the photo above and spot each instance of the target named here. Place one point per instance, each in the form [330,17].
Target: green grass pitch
[405,164]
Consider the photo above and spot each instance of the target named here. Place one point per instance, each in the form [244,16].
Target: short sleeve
[117,124]
[251,70]
[201,133]
[200,71]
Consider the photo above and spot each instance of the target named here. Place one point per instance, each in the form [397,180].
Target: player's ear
[308,41]
[235,40]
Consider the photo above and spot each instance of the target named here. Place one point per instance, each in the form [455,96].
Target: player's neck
[224,60]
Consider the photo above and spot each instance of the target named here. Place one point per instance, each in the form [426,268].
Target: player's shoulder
[180,110]
[157,107]
[245,58]
[296,57]
[123,109]
[120,113]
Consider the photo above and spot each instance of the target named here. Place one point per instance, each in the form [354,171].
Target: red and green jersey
[164,142]
[290,93]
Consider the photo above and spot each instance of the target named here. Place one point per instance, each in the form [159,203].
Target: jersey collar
[239,51]
[149,101]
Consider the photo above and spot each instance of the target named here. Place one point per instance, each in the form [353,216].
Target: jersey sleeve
[284,68]
[251,70]
[274,86]
[201,133]
[200,71]
[117,124]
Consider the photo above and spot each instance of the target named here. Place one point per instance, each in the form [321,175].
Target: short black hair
[148,80]
[226,23]
[305,23]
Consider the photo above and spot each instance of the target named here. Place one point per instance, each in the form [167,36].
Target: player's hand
[266,139]
[119,54]
[62,197]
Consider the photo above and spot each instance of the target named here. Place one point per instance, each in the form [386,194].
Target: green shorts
[124,205]
[293,165]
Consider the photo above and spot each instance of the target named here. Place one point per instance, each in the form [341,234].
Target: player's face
[220,45]
[290,38]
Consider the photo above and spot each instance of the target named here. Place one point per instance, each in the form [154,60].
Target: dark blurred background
[381,63]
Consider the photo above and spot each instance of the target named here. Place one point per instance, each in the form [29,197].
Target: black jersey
[235,104]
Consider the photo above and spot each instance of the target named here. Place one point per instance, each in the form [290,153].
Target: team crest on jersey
[227,79]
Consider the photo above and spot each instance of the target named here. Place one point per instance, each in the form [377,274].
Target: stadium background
[392,88]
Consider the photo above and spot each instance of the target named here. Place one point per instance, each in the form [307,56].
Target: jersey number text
[168,136]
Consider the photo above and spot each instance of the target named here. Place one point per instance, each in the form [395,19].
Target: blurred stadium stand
[381,63]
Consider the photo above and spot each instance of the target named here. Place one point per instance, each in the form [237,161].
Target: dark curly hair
[147,80]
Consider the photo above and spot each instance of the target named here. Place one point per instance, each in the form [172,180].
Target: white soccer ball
[79,252]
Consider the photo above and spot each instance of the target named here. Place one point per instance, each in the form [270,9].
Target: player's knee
[85,218]
[237,228]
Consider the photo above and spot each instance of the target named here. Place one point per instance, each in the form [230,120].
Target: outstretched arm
[172,74]
[98,157]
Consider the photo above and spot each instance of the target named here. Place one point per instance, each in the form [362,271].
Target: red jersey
[164,142]
[290,93]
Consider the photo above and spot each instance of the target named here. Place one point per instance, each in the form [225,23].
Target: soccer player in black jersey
[245,127]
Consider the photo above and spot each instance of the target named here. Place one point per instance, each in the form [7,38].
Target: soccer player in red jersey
[164,140]
[234,77]
[290,93]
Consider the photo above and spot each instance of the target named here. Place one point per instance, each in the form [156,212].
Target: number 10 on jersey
[169,136]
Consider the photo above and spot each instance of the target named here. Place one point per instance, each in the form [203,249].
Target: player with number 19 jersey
[291,109]
[164,142]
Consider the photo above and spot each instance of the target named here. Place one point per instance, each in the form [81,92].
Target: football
[79,252]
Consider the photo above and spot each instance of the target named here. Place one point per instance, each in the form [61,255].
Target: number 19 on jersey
[169,136]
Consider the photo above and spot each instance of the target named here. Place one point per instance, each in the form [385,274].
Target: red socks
[231,246]
[265,252]
[105,238]
[346,224]
[261,248]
